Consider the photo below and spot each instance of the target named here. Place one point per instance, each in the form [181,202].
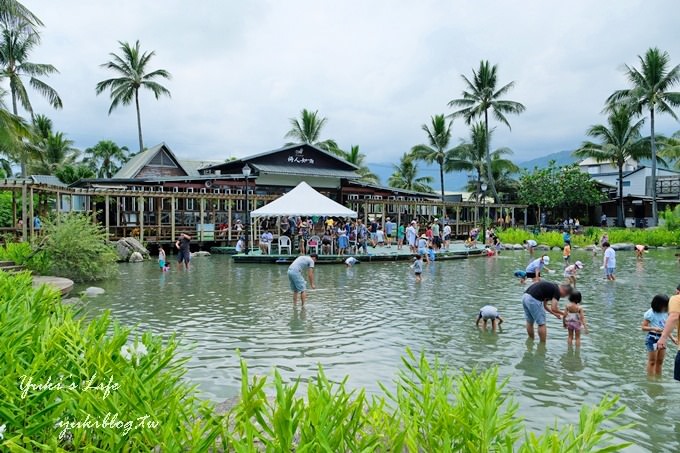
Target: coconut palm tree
[481,95]
[406,177]
[16,46]
[617,142]
[49,150]
[356,157]
[13,129]
[438,137]
[307,129]
[131,68]
[470,157]
[12,11]
[106,158]
[650,87]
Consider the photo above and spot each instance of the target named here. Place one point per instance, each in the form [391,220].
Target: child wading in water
[417,267]
[161,258]
[574,319]
[653,323]
[489,312]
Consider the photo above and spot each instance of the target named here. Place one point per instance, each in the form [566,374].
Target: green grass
[652,237]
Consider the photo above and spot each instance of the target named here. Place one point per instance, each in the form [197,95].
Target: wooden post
[202,219]
[24,213]
[526,217]
[172,218]
[58,206]
[398,216]
[365,212]
[229,202]
[14,208]
[141,218]
[457,221]
[384,213]
[512,220]
[107,204]
[158,218]
[31,209]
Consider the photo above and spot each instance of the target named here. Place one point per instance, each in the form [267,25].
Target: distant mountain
[456,181]
[561,158]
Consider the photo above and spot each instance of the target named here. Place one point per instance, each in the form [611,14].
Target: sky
[377,70]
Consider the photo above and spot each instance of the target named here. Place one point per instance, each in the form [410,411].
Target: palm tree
[618,141]
[307,129]
[481,94]
[438,136]
[12,11]
[131,70]
[70,173]
[650,89]
[15,48]
[471,157]
[13,129]
[106,157]
[356,157]
[49,150]
[405,176]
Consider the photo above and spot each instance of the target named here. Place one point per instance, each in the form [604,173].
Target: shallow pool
[360,320]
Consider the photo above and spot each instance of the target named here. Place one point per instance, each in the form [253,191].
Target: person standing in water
[417,267]
[161,258]
[574,319]
[183,245]
[609,265]
[297,280]
[654,322]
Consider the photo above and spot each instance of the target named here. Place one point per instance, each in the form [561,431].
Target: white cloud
[377,70]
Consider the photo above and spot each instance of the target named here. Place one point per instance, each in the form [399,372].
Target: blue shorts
[183,256]
[650,342]
[534,313]
[609,271]
[297,282]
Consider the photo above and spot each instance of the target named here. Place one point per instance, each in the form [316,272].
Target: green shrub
[76,248]
[654,237]
[430,409]
[19,252]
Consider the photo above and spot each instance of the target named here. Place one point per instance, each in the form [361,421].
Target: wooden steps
[11,267]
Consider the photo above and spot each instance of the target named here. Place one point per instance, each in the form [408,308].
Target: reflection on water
[361,319]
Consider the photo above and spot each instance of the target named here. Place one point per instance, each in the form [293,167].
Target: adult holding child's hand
[672,323]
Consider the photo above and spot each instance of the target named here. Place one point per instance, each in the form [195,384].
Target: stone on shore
[136,257]
[127,246]
[624,247]
[200,253]
[556,249]
[543,248]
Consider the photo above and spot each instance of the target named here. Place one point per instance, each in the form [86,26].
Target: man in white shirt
[297,281]
[447,236]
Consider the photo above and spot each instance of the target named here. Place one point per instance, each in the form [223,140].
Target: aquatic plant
[656,237]
[67,384]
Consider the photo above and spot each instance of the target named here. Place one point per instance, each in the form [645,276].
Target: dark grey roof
[304,171]
[191,167]
[47,179]
[132,167]
[283,148]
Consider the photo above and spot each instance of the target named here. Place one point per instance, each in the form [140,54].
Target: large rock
[136,257]
[543,248]
[93,291]
[127,246]
[626,247]
[200,253]
[556,249]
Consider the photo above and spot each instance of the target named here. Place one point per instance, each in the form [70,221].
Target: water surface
[360,320]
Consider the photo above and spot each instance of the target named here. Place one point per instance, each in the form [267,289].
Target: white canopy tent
[302,201]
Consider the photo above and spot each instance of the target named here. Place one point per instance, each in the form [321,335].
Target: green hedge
[140,381]
[652,237]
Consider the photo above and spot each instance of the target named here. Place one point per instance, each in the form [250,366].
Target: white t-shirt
[447,230]
[351,261]
[380,236]
[531,243]
[610,257]
[489,312]
[301,263]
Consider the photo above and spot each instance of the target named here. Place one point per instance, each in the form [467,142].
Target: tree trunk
[139,122]
[655,212]
[489,173]
[619,214]
[441,180]
[22,156]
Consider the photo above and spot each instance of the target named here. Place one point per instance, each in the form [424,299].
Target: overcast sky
[376,69]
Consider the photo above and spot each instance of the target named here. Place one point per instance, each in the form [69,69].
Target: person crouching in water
[489,312]
[571,271]
[574,319]
[534,269]
[653,323]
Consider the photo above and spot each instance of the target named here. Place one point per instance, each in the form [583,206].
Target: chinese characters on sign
[300,160]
